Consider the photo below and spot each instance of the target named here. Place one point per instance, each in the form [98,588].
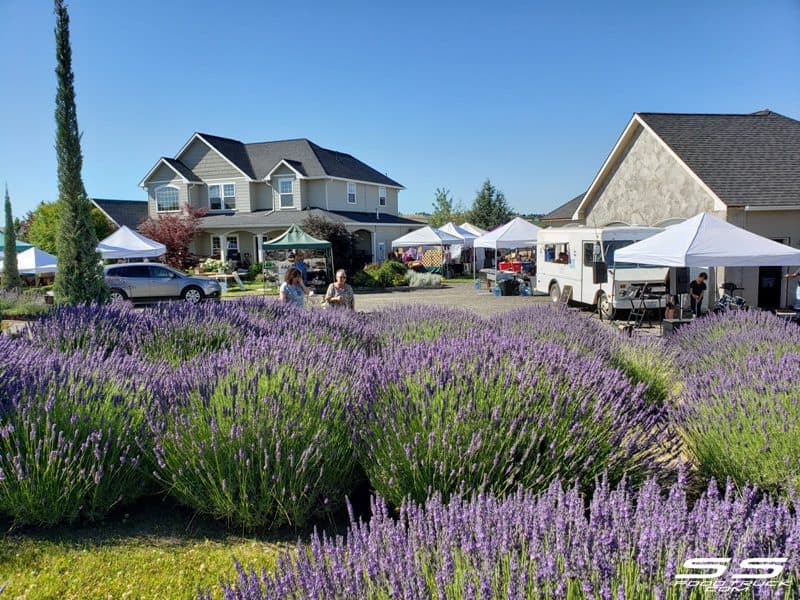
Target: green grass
[251,288]
[156,551]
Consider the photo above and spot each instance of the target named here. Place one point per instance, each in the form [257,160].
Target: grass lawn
[251,288]
[156,550]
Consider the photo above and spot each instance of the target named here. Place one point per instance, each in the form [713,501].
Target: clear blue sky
[437,94]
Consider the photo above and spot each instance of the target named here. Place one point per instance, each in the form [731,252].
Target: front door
[769,286]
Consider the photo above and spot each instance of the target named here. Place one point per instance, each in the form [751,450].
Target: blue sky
[437,94]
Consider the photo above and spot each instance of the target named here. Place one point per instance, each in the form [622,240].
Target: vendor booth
[517,233]
[707,241]
[427,247]
[277,255]
[127,243]
[33,262]
[20,246]
[476,231]
[460,254]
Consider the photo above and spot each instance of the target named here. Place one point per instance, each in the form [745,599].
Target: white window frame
[279,181]
[216,252]
[222,203]
[177,194]
[228,238]
[381,196]
[354,192]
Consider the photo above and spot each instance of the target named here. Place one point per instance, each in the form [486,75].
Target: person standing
[292,290]
[300,264]
[697,289]
[795,275]
[340,293]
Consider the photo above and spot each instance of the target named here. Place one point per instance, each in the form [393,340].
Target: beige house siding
[314,193]
[207,163]
[163,173]
[646,187]
[366,198]
[260,196]
[297,190]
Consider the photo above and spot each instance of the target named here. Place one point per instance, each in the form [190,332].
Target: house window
[382,196]
[351,192]
[285,191]
[215,246]
[166,199]
[220,196]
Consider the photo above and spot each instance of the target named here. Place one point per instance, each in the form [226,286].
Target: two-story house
[254,192]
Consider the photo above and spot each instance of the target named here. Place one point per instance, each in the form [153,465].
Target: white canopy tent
[36,261]
[426,236]
[472,229]
[707,241]
[517,233]
[466,236]
[126,243]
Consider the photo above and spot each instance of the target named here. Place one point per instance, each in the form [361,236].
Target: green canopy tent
[21,246]
[295,238]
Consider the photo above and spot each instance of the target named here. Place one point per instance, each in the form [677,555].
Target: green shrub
[363,279]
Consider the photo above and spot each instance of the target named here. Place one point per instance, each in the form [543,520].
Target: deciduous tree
[442,208]
[176,231]
[341,240]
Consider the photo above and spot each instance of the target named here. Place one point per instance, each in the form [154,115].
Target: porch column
[260,243]
[223,246]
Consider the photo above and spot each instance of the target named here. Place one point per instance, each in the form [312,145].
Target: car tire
[117,296]
[555,292]
[192,295]
[604,307]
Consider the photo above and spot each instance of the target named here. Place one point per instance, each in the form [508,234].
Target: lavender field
[536,454]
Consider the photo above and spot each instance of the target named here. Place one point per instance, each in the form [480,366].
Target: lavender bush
[745,423]
[70,437]
[420,323]
[536,546]
[269,444]
[728,339]
[489,412]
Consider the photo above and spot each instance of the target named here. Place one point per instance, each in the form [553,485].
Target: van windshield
[610,249]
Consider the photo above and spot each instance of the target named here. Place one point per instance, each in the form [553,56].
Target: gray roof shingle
[311,160]
[284,218]
[123,212]
[751,159]
[181,168]
[566,210]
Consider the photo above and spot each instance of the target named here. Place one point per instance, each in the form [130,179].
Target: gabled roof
[122,212]
[180,169]
[565,211]
[751,159]
[739,159]
[257,160]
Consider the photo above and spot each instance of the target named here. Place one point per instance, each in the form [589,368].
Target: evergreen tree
[442,208]
[490,209]
[11,278]
[80,273]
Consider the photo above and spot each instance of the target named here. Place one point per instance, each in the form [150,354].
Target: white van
[566,256]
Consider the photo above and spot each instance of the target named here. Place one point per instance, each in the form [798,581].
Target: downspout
[326,194]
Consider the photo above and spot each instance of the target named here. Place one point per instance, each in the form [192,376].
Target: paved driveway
[459,295]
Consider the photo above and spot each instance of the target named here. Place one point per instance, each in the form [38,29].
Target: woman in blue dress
[292,289]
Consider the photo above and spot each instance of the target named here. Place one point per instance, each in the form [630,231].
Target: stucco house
[667,167]
[254,192]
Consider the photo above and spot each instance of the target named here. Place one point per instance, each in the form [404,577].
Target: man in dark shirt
[697,290]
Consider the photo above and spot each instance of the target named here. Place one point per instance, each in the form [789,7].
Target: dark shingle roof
[751,159]
[566,210]
[123,212]
[284,218]
[311,160]
[181,168]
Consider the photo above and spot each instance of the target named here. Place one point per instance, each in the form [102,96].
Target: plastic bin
[509,287]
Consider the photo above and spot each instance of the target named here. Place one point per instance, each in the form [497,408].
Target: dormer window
[351,192]
[286,192]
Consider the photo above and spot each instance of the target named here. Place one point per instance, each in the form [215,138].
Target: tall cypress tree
[11,278]
[80,274]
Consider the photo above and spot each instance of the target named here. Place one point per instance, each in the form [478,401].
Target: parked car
[153,281]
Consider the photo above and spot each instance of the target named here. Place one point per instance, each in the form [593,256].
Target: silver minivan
[141,282]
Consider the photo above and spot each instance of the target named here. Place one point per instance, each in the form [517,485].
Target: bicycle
[728,301]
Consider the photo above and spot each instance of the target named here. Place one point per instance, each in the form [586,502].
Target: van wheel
[555,292]
[192,295]
[605,307]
